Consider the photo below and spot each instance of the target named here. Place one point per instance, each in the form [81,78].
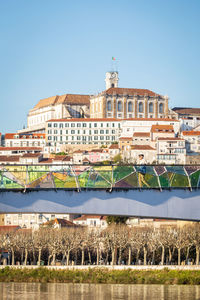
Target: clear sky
[56,47]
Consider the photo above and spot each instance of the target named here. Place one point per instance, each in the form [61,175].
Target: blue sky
[57,47]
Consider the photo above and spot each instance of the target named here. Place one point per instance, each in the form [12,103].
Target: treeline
[117,244]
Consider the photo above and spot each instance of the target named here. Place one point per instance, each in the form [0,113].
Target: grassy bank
[164,276]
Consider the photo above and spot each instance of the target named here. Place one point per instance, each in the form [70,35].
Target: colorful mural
[98,177]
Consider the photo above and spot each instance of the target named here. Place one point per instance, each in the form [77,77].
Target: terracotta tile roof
[85,120]
[85,217]
[187,110]
[170,139]
[59,157]
[10,158]
[67,158]
[25,135]
[62,222]
[131,92]
[114,146]
[111,120]
[31,155]
[141,134]
[191,132]
[9,228]
[125,138]
[46,102]
[142,147]
[63,99]
[162,128]
[20,149]
[96,150]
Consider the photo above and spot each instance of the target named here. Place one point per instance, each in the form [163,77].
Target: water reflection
[52,291]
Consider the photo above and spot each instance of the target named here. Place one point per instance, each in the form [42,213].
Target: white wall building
[25,140]
[33,220]
[171,151]
[192,140]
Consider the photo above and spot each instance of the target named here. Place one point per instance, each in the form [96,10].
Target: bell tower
[111,79]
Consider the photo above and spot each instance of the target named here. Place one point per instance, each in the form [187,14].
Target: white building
[57,107]
[33,220]
[92,221]
[171,150]
[25,140]
[192,140]
[82,131]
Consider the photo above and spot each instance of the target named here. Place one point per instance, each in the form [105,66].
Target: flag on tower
[113,58]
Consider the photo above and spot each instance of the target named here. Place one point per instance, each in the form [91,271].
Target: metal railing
[77,177]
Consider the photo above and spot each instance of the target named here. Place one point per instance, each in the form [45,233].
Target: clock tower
[111,79]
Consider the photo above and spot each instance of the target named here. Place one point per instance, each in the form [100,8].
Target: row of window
[90,125]
[82,138]
[166,157]
[61,132]
[140,107]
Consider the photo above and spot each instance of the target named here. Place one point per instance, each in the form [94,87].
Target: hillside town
[116,126]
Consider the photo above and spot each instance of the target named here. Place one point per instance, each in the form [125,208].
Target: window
[61,125]
[151,107]
[113,131]
[66,124]
[161,108]
[95,138]
[107,131]
[95,131]
[101,137]
[78,124]
[49,125]
[119,106]
[55,125]
[72,131]
[95,124]
[84,125]
[72,125]
[101,131]
[130,107]
[55,131]
[140,107]
[109,106]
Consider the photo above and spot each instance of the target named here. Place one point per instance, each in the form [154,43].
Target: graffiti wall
[98,177]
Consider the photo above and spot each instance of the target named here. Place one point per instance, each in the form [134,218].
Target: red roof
[141,134]
[125,138]
[20,149]
[142,147]
[10,158]
[24,135]
[162,128]
[170,139]
[85,217]
[111,120]
[191,132]
[132,92]
[114,146]
[31,155]
[9,228]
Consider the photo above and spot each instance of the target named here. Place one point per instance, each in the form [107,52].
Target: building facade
[122,103]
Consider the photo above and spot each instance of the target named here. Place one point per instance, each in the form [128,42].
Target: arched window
[151,107]
[109,106]
[140,107]
[161,107]
[119,106]
[130,107]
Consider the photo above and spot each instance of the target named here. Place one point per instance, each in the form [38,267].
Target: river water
[59,291]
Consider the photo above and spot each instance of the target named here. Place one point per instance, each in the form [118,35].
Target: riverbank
[100,275]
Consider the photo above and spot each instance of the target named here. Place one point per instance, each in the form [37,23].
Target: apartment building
[82,131]
[171,150]
[192,140]
[25,140]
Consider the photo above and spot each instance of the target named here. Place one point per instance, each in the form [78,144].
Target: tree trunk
[187,255]
[50,256]
[26,257]
[83,257]
[120,256]
[113,256]
[145,255]
[89,256]
[153,257]
[137,256]
[54,259]
[170,256]
[179,256]
[129,256]
[68,256]
[197,255]
[97,256]
[13,257]
[163,255]
[22,257]
[39,256]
